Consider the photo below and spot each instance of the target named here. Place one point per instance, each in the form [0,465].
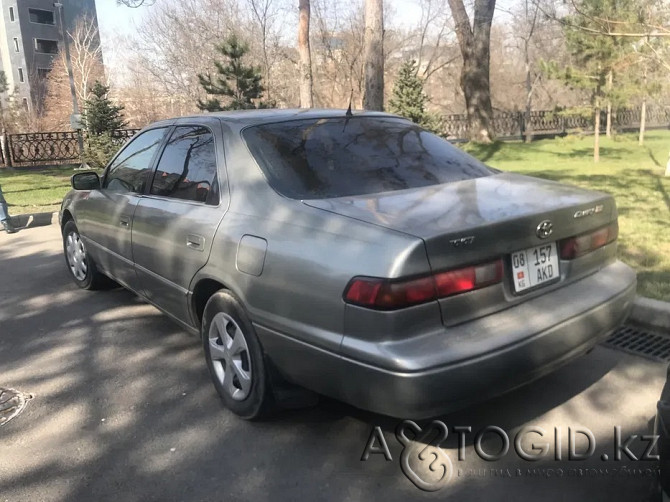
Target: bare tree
[306,81]
[337,50]
[373,98]
[526,32]
[264,14]
[432,31]
[87,67]
[135,3]
[475,42]
[176,41]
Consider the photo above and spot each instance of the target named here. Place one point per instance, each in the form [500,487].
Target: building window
[46,46]
[11,14]
[21,79]
[16,44]
[25,104]
[40,16]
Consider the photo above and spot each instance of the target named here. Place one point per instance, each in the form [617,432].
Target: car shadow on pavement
[124,410]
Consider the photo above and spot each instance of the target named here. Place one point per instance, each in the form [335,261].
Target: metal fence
[51,148]
[515,125]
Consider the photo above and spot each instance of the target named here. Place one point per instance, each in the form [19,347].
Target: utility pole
[75,120]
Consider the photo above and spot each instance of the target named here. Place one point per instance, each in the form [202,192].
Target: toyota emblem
[544,229]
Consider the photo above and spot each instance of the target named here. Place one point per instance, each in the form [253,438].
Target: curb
[31,220]
[651,313]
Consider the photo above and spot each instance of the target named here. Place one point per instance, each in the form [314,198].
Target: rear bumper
[519,349]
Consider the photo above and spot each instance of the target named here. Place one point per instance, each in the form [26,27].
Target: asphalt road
[124,410]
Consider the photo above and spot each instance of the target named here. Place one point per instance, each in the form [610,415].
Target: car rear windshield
[338,157]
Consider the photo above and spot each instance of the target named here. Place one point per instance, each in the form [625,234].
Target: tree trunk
[529,98]
[596,137]
[306,100]
[643,121]
[373,55]
[475,44]
[608,126]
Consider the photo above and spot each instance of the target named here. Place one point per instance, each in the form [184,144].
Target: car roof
[262,116]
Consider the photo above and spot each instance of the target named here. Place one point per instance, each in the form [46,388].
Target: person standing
[4,215]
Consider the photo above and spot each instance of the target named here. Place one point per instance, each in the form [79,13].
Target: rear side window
[187,168]
[130,170]
[337,157]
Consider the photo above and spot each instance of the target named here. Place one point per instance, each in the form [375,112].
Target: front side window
[131,168]
[187,168]
[338,157]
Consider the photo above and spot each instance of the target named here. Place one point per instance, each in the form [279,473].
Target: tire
[82,268]
[230,342]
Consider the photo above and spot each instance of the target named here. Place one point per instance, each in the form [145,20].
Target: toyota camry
[356,256]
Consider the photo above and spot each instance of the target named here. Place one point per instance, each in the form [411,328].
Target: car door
[106,218]
[176,220]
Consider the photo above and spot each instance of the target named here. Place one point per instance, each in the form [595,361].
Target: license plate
[534,266]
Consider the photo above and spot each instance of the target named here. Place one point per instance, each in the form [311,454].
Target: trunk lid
[475,220]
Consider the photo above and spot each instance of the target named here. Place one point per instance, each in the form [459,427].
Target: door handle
[124,221]
[194,241]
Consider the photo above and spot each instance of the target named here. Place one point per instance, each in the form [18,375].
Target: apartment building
[30,37]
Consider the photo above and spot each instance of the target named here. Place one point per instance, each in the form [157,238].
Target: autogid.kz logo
[426,463]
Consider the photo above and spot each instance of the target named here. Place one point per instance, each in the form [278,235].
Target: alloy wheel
[230,357]
[76,256]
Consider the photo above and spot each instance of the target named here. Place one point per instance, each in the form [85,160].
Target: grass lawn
[35,190]
[633,174]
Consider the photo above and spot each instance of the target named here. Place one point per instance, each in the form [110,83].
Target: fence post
[4,146]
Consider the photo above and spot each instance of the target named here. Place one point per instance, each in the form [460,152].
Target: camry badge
[544,229]
[588,212]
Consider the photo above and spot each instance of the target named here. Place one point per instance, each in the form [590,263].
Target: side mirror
[85,181]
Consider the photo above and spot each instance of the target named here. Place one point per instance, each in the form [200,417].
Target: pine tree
[101,115]
[101,118]
[595,57]
[409,99]
[234,80]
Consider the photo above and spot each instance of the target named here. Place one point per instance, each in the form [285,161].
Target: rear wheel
[234,357]
[82,268]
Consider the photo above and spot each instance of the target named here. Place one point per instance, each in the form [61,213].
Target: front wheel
[82,268]
[235,357]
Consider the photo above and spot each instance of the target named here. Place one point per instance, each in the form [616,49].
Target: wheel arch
[67,216]
[203,290]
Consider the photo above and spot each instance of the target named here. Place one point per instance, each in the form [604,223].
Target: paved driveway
[123,410]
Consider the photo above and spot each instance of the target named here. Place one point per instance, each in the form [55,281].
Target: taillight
[574,247]
[468,279]
[386,294]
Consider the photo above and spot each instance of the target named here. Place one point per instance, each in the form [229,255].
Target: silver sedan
[355,256]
